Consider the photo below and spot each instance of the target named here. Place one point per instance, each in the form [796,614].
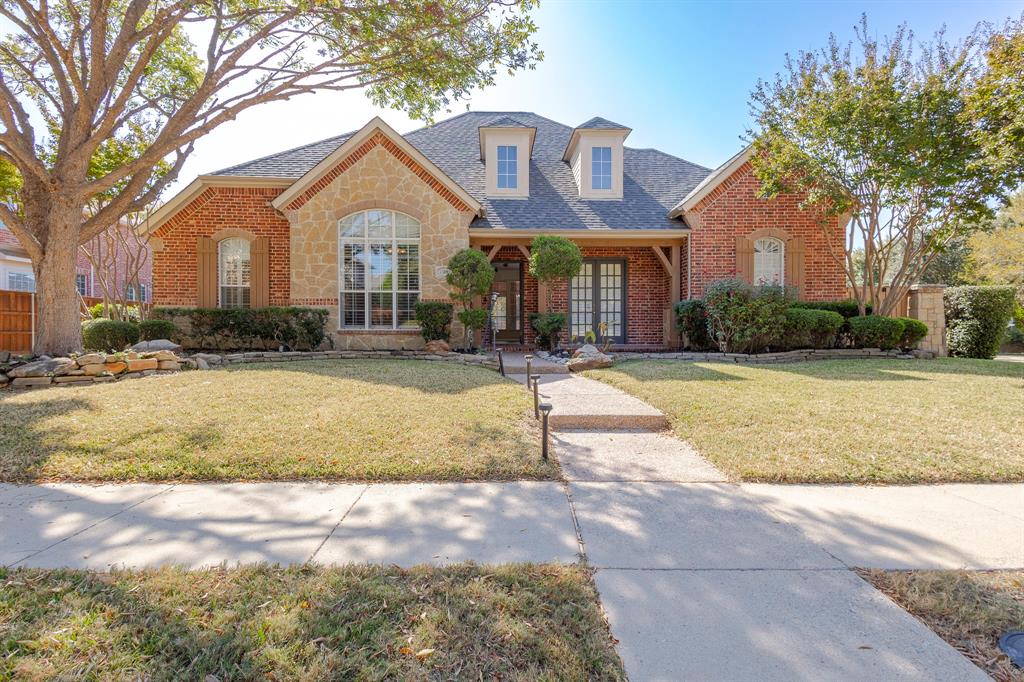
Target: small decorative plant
[552,259]
[470,274]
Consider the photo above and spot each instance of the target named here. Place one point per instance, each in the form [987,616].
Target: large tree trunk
[58,324]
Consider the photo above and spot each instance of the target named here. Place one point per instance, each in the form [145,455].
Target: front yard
[868,421]
[968,609]
[513,622]
[332,420]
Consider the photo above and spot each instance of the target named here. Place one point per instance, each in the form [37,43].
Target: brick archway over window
[228,232]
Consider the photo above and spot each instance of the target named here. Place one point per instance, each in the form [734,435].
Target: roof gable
[373,134]
[712,181]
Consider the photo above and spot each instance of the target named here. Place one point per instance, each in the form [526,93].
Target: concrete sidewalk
[195,525]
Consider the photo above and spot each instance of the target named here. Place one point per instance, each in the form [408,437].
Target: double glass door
[597,297]
[506,314]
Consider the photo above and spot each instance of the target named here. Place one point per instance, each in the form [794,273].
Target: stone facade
[378,179]
[925,302]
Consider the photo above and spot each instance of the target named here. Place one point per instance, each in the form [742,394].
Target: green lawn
[968,609]
[871,421]
[513,622]
[332,420]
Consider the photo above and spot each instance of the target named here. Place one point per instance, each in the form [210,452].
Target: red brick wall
[217,208]
[733,210]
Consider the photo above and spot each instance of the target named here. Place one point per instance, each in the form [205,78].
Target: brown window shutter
[259,273]
[744,259]
[206,273]
[795,264]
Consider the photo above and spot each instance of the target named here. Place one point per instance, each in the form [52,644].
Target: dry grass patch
[331,420]
[870,421]
[513,622]
[968,609]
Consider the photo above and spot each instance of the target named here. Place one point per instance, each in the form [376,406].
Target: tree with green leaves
[470,275]
[102,101]
[908,143]
[552,259]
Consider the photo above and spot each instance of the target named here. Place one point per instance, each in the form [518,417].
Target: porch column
[672,263]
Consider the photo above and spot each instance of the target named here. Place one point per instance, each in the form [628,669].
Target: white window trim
[514,175]
[366,240]
[781,264]
[611,173]
[220,271]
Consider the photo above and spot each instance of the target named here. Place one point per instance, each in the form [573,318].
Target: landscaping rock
[438,346]
[4,356]
[162,356]
[209,359]
[73,380]
[3,380]
[156,344]
[29,382]
[200,363]
[112,367]
[589,357]
[142,364]
[42,368]
[91,359]
[171,365]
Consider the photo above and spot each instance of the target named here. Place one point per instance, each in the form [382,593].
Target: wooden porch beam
[661,257]
[493,252]
[525,250]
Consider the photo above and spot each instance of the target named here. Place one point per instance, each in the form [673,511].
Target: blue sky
[678,73]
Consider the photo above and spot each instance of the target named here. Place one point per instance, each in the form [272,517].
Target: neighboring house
[16,271]
[363,224]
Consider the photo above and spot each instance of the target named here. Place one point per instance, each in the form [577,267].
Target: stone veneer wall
[926,303]
[378,179]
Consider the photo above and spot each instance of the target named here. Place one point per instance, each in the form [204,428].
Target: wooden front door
[507,313]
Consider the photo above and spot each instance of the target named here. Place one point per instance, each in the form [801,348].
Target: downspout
[689,267]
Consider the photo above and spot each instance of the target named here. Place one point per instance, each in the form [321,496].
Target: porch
[624,293]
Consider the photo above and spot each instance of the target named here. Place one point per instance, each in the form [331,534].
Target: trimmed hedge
[743,318]
[692,322]
[108,336]
[150,330]
[876,331]
[130,312]
[248,328]
[434,319]
[977,318]
[847,308]
[810,328]
[913,332]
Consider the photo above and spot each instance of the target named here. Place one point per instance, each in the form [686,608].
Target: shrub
[472,319]
[157,329]
[742,318]
[875,331]
[913,332]
[1014,336]
[692,322]
[248,328]
[548,326]
[847,308]
[109,336]
[435,319]
[976,319]
[811,328]
[129,312]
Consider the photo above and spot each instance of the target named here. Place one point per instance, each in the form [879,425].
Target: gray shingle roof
[653,182]
[504,122]
[598,123]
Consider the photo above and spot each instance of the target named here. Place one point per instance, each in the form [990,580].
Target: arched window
[233,267]
[379,270]
[769,261]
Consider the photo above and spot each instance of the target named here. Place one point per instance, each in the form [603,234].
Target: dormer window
[596,154]
[508,173]
[601,167]
[505,148]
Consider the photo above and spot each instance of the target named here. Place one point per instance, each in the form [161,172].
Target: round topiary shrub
[875,331]
[150,330]
[977,318]
[913,332]
[108,336]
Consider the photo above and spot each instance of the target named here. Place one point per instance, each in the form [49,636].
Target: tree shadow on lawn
[266,621]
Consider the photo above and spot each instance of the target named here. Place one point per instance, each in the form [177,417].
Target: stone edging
[782,357]
[213,359]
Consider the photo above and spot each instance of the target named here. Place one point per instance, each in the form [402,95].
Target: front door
[506,315]
[597,297]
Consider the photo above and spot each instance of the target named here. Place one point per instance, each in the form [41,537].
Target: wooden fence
[902,308]
[17,319]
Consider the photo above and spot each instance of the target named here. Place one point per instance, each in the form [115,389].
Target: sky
[678,73]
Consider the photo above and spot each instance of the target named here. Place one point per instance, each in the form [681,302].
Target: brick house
[365,223]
